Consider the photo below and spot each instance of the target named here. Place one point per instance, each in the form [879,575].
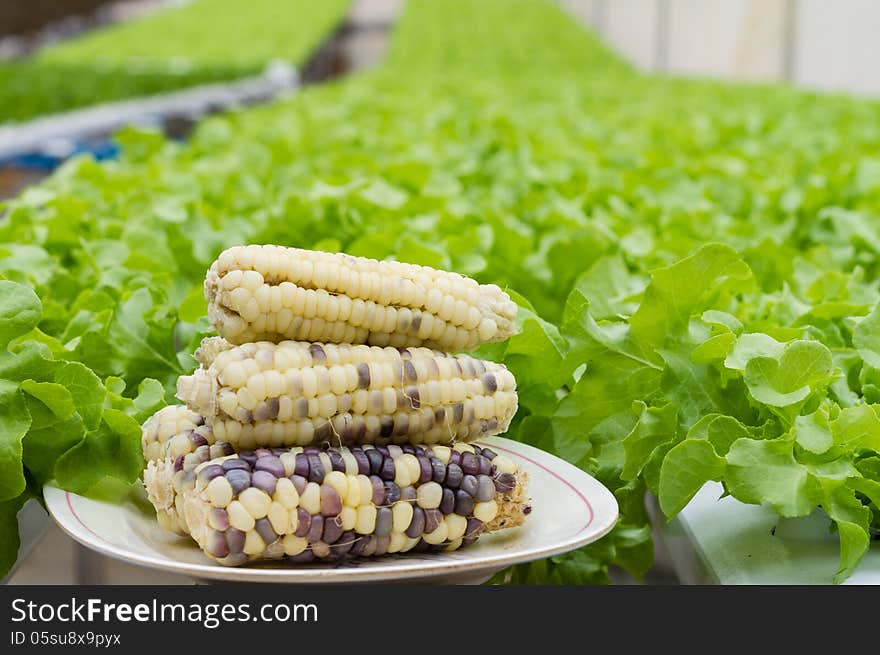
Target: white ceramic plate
[569,509]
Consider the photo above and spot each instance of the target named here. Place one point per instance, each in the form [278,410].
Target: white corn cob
[168,422]
[273,293]
[296,393]
[309,503]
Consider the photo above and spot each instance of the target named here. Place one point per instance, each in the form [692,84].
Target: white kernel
[456,525]
[309,382]
[294,545]
[453,545]
[351,467]
[239,517]
[402,515]
[278,518]
[310,499]
[438,536]
[285,491]
[463,447]
[255,501]
[504,464]
[251,280]
[486,511]
[396,542]
[253,543]
[442,453]
[366,519]
[219,491]
[339,481]
[429,495]
[348,517]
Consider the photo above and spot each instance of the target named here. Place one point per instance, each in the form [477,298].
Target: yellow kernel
[285,492]
[401,475]
[443,453]
[351,467]
[463,447]
[253,543]
[429,495]
[366,489]
[239,517]
[366,519]
[294,545]
[278,517]
[438,536]
[339,481]
[310,499]
[485,511]
[402,515]
[352,496]
[453,545]
[504,464]
[396,542]
[348,517]
[219,492]
[233,375]
[412,464]
[255,501]
[456,525]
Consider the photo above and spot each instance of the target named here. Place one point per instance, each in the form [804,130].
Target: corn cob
[273,293]
[308,503]
[296,393]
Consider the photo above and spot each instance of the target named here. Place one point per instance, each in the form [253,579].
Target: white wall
[821,44]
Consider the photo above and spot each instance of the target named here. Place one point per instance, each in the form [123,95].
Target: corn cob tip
[167,425]
[159,483]
[198,391]
[209,348]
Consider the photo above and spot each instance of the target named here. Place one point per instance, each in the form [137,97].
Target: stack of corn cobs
[327,420]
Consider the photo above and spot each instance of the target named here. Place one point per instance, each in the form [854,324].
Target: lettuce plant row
[199,42]
[696,265]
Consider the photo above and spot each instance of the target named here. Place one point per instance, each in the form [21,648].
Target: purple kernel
[408,494]
[384,519]
[362,461]
[469,463]
[378,490]
[270,464]
[432,519]
[210,472]
[301,467]
[331,503]
[392,493]
[332,530]
[217,545]
[235,540]
[250,458]
[375,458]
[505,483]
[438,470]
[305,556]
[316,529]
[262,452]
[178,463]
[408,448]
[474,528]
[336,461]
[311,450]
[303,522]
[219,518]
[235,463]
[447,503]
[469,484]
[455,457]
[316,468]
[454,474]
[238,479]
[382,544]
[264,481]
[417,525]
[299,483]
[489,454]
[264,529]
[485,466]
[485,489]
[344,545]
[388,469]
[425,469]
[464,503]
